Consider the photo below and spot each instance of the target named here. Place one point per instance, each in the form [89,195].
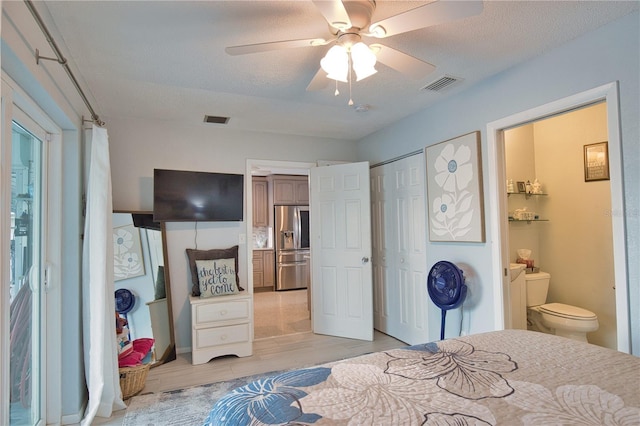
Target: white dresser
[220,326]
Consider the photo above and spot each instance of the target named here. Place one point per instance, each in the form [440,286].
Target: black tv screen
[180,196]
[145,221]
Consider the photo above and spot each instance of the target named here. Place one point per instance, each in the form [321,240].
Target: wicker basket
[132,380]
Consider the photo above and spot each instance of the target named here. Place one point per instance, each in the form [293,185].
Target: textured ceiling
[165,60]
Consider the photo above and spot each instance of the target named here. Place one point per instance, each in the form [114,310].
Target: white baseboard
[74,419]
[183,350]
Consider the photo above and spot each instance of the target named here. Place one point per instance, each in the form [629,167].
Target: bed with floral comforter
[496,378]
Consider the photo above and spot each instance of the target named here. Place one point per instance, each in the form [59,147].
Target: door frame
[15,97]
[273,167]
[497,198]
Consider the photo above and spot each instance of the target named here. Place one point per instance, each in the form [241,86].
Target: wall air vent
[442,83]
[216,119]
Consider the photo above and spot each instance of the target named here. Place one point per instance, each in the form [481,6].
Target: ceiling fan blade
[430,14]
[275,45]
[334,12]
[402,62]
[319,81]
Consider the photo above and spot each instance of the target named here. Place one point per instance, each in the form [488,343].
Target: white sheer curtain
[98,305]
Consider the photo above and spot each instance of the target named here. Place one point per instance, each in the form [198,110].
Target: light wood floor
[280,352]
[276,313]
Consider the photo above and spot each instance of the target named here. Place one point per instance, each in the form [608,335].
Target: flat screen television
[145,221]
[181,196]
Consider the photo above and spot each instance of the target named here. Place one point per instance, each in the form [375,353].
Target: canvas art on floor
[127,253]
[454,189]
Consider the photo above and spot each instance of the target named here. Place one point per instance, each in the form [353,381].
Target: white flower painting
[454,182]
[127,253]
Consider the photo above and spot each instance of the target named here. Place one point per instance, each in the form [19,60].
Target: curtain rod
[61,60]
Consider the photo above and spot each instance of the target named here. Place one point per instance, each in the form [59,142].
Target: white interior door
[399,262]
[409,253]
[340,228]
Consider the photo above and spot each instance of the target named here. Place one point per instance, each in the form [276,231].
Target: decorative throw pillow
[217,277]
[193,255]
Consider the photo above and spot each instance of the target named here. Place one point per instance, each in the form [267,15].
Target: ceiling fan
[351,20]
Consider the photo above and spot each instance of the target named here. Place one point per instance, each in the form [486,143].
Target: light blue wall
[138,146]
[608,54]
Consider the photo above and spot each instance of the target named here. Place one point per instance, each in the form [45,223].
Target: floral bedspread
[505,377]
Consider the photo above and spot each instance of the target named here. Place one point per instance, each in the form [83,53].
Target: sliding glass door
[26,272]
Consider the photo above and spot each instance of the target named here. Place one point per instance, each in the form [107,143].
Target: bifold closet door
[399,261]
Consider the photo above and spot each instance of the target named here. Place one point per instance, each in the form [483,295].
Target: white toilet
[555,318]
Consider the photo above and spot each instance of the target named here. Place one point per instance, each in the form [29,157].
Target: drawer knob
[224,337]
[223,313]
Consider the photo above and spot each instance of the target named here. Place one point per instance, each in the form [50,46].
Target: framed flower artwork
[454,190]
[127,253]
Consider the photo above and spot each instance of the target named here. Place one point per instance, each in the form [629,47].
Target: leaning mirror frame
[154,306]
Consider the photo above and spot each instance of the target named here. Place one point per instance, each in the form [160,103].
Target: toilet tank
[537,287]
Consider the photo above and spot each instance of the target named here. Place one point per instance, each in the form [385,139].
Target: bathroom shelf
[528,220]
[527,195]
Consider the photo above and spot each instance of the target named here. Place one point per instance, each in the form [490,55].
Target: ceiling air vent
[216,119]
[442,83]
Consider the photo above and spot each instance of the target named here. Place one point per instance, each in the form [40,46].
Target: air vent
[216,119]
[442,83]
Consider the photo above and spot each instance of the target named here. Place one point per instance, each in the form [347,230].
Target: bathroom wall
[575,245]
[520,167]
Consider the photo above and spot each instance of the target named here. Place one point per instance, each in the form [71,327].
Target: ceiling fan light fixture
[336,63]
[364,72]
[364,60]
[362,55]
[339,76]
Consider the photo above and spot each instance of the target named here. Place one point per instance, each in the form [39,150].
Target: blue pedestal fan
[446,288]
[125,301]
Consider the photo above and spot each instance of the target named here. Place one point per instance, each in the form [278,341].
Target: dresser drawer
[220,336]
[218,312]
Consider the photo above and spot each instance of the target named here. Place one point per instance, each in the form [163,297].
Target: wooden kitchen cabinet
[269,268]
[260,188]
[258,270]
[263,269]
[290,190]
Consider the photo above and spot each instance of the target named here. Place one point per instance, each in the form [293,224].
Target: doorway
[571,238]
[498,199]
[31,236]
[274,313]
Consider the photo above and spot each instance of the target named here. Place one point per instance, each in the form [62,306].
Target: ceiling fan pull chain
[350,78]
[337,92]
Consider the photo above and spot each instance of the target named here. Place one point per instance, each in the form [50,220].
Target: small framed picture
[596,161]
[522,187]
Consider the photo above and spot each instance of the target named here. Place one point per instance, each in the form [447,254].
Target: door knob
[365,259]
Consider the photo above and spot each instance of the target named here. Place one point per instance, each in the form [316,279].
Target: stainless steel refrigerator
[292,247]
